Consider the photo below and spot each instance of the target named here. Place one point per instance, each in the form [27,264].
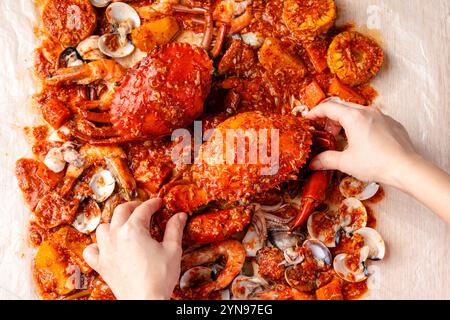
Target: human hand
[378,146]
[134,265]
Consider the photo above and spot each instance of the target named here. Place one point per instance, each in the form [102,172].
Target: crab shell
[233,182]
[165,91]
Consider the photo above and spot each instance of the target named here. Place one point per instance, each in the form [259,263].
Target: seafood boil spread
[117,80]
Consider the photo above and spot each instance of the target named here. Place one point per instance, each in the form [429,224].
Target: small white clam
[115,47]
[353,215]
[100,3]
[353,188]
[282,239]
[319,251]
[54,160]
[59,135]
[292,257]
[357,272]
[124,19]
[374,241]
[119,12]
[89,218]
[324,227]
[244,287]
[195,276]
[89,49]
[102,185]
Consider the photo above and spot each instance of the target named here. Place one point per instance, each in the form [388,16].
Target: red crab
[165,91]
[232,183]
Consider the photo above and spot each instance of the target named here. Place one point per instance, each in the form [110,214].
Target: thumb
[328,160]
[90,255]
[174,231]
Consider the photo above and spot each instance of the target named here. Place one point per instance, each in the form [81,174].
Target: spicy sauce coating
[354,58]
[69,21]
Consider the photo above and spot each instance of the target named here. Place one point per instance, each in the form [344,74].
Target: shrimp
[234,253]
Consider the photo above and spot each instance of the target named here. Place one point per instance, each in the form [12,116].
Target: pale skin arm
[380,150]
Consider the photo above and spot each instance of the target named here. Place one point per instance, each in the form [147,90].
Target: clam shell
[119,51]
[120,12]
[319,251]
[89,219]
[244,287]
[353,215]
[102,185]
[323,227]
[292,257]
[282,239]
[89,49]
[374,241]
[195,276]
[100,3]
[341,269]
[353,188]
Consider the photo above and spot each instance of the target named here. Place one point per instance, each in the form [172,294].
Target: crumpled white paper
[413,87]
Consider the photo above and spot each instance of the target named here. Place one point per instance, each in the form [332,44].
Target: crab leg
[314,190]
[219,41]
[208,31]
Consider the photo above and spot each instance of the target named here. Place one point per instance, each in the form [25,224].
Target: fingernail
[182,216]
[316,165]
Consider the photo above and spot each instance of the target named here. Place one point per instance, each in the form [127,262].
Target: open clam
[353,188]
[352,268]
[374,242]
[292,257]
[124,19]
[102,185]
[319,251]
[353,215]
[100,3]
[324,226]
[244,287]
[282,239]
[88,218]
[195,276]
[89,49]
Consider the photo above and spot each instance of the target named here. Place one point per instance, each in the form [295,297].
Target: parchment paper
[413,88]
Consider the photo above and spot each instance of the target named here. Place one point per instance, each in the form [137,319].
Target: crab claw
[314,192]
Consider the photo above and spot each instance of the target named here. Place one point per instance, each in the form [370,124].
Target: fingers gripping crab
[233,183]
[165,91]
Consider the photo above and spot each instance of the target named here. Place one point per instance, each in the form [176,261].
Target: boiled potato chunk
[277,60]
[154,33]
[56,260]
